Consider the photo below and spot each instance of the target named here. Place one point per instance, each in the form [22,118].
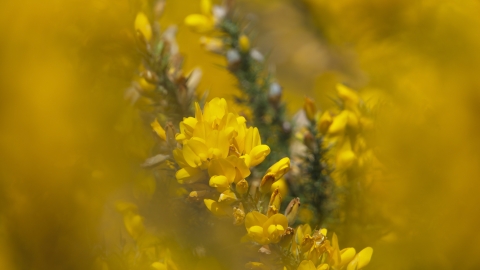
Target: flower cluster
[216,145]
[320,253]
[346,130]
[218,160]
[341,148]
[305,249]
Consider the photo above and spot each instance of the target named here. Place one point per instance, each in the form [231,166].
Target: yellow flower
[252,149]
[274,173]
[301,232]
[339,123]
[244,43]
[345,156]
[199,23]
[143,25]
[254,224]
[349,97]
[189,175]
[264,230]
[202,23]
[241,169]
[187,126]
[222,167]
[159,130]
[324,122]
[361,260]
[346,255]
[217,145]
[196,153]
[218,209]
[281,184]
[280,168]
[220,182]
[275,227]
[309,108]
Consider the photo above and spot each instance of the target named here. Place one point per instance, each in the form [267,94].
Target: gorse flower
[274,173]
[206,21]
[142,25]
[217,145]
[263,229]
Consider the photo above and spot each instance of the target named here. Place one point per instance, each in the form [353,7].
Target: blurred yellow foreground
[70,143]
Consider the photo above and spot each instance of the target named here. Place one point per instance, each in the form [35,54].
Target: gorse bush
[218,198]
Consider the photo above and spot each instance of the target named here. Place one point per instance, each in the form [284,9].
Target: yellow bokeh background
[70,143]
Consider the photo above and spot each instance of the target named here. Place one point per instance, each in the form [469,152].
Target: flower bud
[274,204]
[145,86]
[143,26]
[275,93]
[256,55]
[242,187]
[309,108]
[199,23]
[244,43]
[159,8]
[150,77]
[292,209]
[233,59]
[220,182]
[159,130]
